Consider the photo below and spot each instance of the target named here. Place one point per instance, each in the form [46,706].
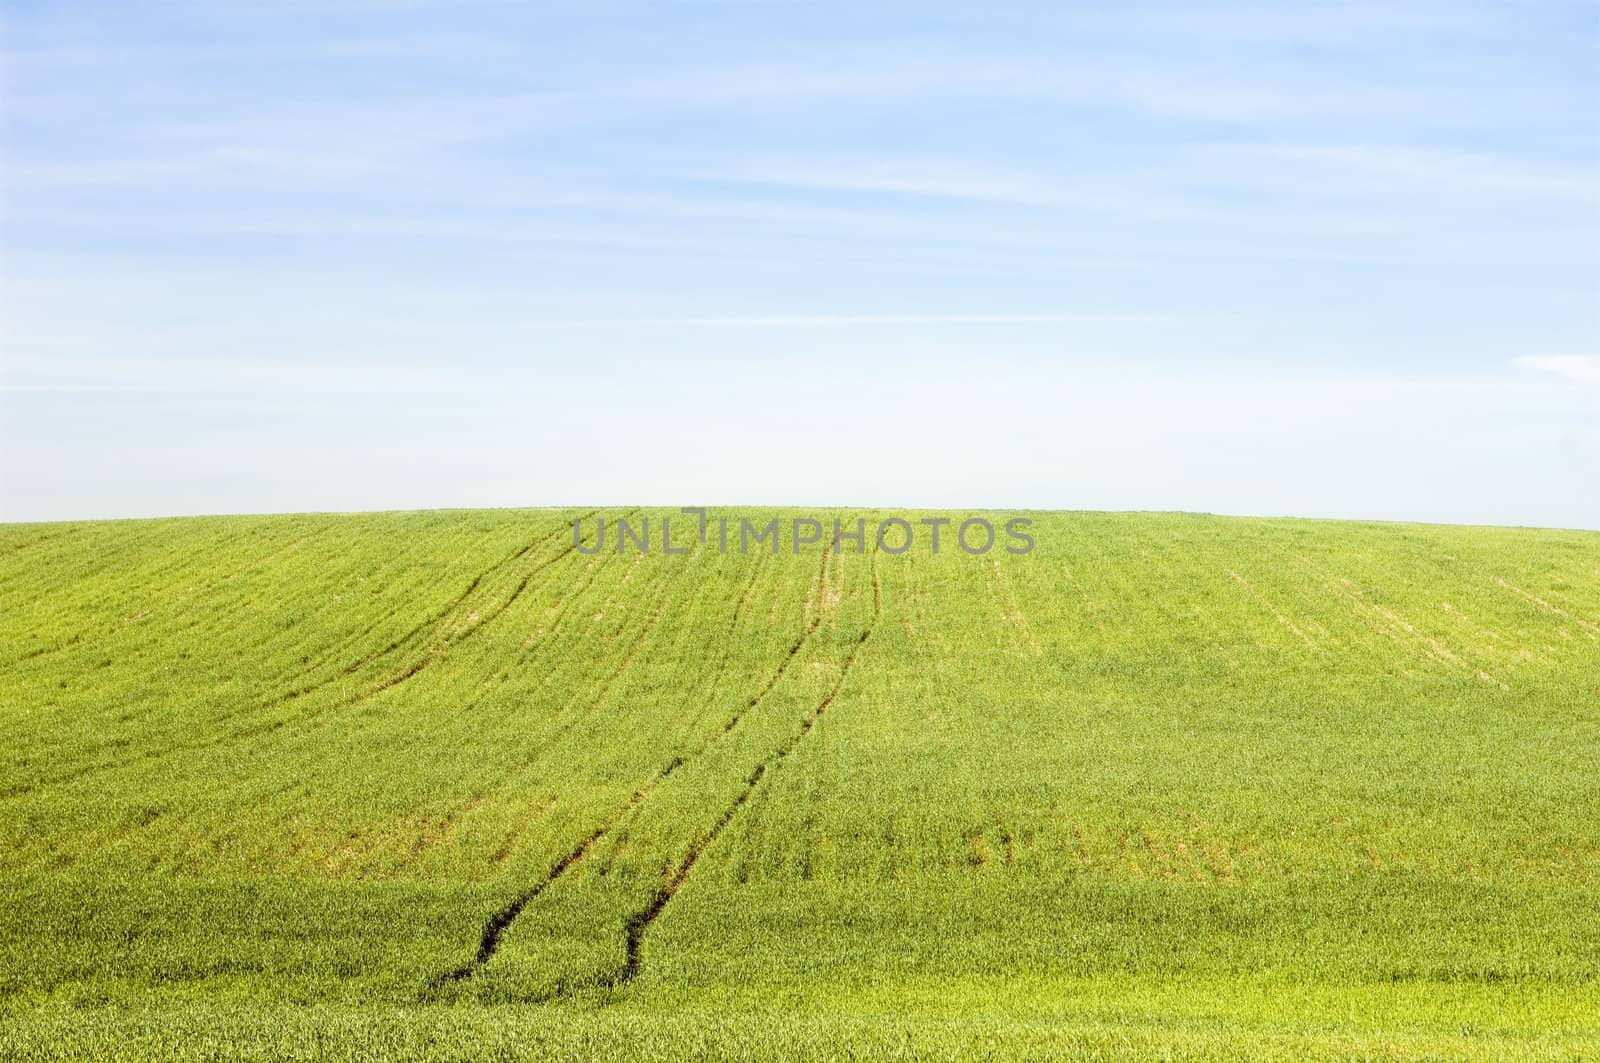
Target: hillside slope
[1165,784]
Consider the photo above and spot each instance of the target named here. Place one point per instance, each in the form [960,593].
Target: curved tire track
[640,922]
[494,931]
[250,731]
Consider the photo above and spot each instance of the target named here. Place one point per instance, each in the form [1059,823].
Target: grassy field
[435,785]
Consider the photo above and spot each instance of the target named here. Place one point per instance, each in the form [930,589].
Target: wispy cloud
[910,178]
[1440,169]
[292,199]
[1581,367]
[821,320]
[931,179]
[1164,86]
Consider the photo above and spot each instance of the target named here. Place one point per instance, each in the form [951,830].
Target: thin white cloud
[824,320]
[1448,169]
[1129,82]
[1584,368]
[879,175]
[941,179]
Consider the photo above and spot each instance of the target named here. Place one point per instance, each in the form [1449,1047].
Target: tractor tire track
[270,726]
[431,622]
[605,687]
[501,921]
[438,618]
[576,591]
[44,539]
[494,931]
[597,699]
[733,626]
[211,582]
[794,650]
[462,635]
[638,924]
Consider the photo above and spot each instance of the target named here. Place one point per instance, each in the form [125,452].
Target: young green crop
[439,783]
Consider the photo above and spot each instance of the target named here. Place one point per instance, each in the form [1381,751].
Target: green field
[437,785]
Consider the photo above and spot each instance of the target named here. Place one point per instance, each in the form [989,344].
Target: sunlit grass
[1167,784]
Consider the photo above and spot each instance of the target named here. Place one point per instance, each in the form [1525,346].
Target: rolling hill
[435,784]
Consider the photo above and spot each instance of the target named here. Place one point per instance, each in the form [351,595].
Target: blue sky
[1322,260]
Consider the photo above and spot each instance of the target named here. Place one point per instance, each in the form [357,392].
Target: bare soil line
[599,697]
[41,651]
[215,581]
[596,700]
[464,633]
[733,628]
[434,621]
[794,650]
[555,615]
[501,921]
[253,730]
[1090,609]
[494,931]
[1014,614]
[1590,629]
[1392,625]
[638,924]
[44,539]
[1277,614]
